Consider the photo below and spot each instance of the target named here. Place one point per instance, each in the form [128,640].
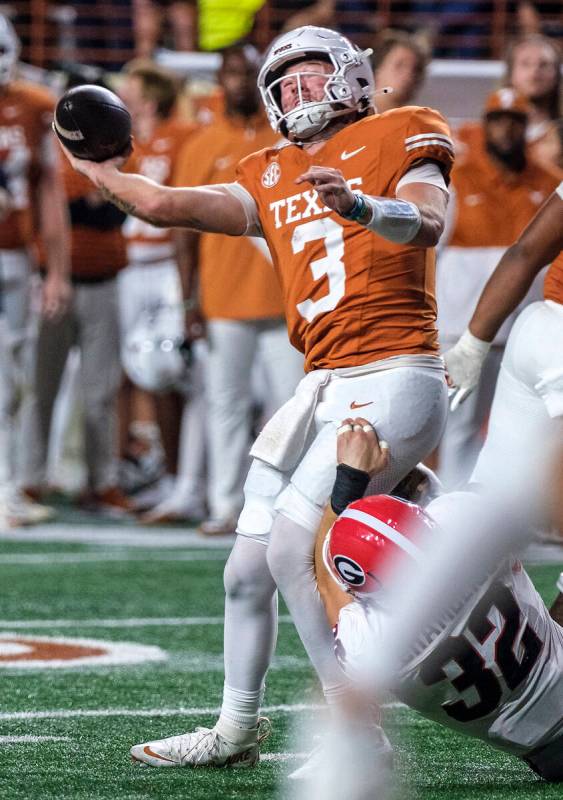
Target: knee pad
[298,508]
[261,489]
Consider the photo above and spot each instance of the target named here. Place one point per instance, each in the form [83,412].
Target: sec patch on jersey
[93,123]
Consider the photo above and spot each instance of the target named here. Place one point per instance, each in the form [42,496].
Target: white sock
[240,709]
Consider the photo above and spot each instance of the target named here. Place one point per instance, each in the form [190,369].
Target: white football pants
[17,333]
[465,428]
[407,407]
[91,323]
[529,390]
[234,346]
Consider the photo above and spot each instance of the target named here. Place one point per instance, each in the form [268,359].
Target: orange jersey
[155,159]
[26,113]
[97,243]
[494,206]
[553,284]
[351,297]
[236,277]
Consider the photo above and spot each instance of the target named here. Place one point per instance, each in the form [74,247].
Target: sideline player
[351,208]
[240,296]
[530,385]
[29,164]
[151,282]
[492,670]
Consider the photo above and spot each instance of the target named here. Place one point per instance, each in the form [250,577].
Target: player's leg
[54,341]
[407,407]
[529,390]
[96,311]
[282,363]
[465,429]
[232,346]
[250,635]
[187,499]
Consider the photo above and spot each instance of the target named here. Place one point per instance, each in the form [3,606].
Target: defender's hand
[358,446]
[464,363]
[331,187]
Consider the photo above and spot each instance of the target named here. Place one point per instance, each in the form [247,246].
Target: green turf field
[65,733]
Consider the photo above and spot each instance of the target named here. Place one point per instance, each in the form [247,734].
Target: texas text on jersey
[336,275]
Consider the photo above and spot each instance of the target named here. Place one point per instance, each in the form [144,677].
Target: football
[92,123]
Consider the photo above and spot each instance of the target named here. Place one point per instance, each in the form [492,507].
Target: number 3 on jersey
[332,265]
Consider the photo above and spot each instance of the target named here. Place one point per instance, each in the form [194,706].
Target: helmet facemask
[348,87]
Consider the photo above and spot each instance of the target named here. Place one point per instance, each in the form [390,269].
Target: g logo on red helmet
[349,570]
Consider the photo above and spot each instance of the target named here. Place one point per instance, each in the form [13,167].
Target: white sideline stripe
[23,559]
[32,739]
[134,536]
[130,622]
[75,713]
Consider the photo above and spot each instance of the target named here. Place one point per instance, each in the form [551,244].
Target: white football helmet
[9,50]
[349,87]
[155,356]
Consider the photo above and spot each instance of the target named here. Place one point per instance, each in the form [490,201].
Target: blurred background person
[533,68]
[495,193]
[400,60]
[91,324]
[243,315]
[178,17]
[29,161]
[151,281]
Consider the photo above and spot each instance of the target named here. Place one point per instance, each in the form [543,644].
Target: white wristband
[396,220]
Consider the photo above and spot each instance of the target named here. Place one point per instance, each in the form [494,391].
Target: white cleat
[204,747]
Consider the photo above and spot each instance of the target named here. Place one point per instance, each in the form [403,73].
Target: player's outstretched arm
[415,217]
[207,208]
[537,246]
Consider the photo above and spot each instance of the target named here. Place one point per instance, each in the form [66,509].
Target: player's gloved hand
[463,364]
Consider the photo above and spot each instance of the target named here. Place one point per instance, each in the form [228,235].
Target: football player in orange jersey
[530,384]
[150,285]
[29,163]
[350,207]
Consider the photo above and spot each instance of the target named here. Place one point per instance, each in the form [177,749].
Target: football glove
[464,363]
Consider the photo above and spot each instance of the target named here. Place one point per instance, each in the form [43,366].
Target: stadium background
[65,733]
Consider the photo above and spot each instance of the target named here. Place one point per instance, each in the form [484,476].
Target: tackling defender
[530,385]
[350,207]
[493,669]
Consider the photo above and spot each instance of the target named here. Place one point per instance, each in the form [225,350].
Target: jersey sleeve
[425,135]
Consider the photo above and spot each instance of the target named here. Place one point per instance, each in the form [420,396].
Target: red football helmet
[370,536]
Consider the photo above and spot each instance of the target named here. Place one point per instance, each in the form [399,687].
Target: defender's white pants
[529,391]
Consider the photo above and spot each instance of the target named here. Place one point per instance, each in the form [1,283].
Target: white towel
[283,438]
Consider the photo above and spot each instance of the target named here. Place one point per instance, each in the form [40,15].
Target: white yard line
[48,559]
[282,756]
[76,713]
[32,739]
[134,622]
[136,536]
